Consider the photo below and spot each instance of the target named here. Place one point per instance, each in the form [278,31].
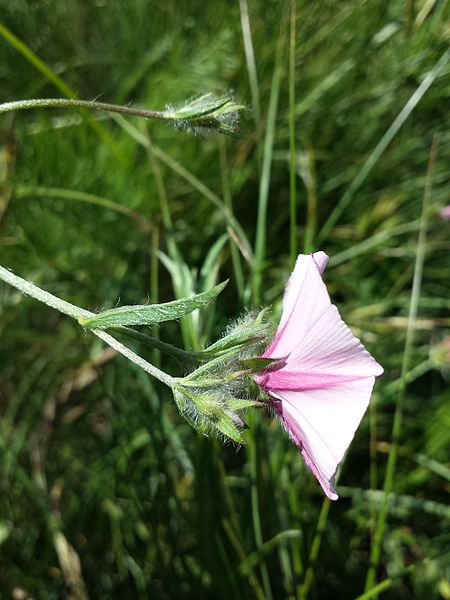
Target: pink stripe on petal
[283,379]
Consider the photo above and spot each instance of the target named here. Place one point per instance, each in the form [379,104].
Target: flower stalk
[29,289]
[204,114]
[212,395]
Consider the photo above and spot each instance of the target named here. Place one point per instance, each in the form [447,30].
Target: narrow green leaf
[243,403]
[255,558]
[241,337]
[182,356]
[226,426]
[208,405]
[210,267]
[259,364]
[152,313]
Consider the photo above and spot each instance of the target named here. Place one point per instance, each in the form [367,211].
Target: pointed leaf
[243,403]
[261,364]
[152,313]
[210,267]
[227,427]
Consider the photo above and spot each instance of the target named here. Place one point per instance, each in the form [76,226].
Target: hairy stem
[75,103]
[79,313]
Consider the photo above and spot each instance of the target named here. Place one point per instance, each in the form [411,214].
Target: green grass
[105,491]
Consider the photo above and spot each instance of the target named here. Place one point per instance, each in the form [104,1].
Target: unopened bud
[206,114]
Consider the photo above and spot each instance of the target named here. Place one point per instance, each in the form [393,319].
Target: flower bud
[206,114]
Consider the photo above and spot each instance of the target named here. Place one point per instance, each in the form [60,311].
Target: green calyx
[212,397]
[207,113]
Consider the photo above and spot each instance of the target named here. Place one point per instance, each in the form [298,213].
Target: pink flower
[445,213]
[323,385]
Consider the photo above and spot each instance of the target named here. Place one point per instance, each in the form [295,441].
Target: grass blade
[376,153]
[292,151]
[397,425]
[250,60]
[261,226]
[24,191]
[43,68]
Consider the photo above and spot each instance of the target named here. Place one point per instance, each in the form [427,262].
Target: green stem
[261,226]
[155,343]
[25,191]
[91,105]
[397,425]
[250,60]
[227,197]
[79,313]
[135,358]
[373,462]
[311,198]
[315,547]
[38,294]
[292,151]
[154,285]
[256,517]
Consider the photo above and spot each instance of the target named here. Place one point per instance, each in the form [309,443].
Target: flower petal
[297,279]
[283,379]
[322,423]
[326,376]
[311,336]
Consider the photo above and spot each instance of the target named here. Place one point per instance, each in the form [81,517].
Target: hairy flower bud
[206,114]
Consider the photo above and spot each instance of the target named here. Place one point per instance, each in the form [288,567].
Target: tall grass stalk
[264,183]
[166,218]
[154,284]
[292,135]
[384,585]
[253,580]
[311,198]
[28,191]
[70,93]
[207,193]
[163,200]
[38,63]
[314,550]
[259,257]
[256,511]
[377,152]
[227,196]
[398,416]
[409,16]
[251,62]
[373,461]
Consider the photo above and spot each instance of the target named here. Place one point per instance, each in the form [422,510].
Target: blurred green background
[105,492]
